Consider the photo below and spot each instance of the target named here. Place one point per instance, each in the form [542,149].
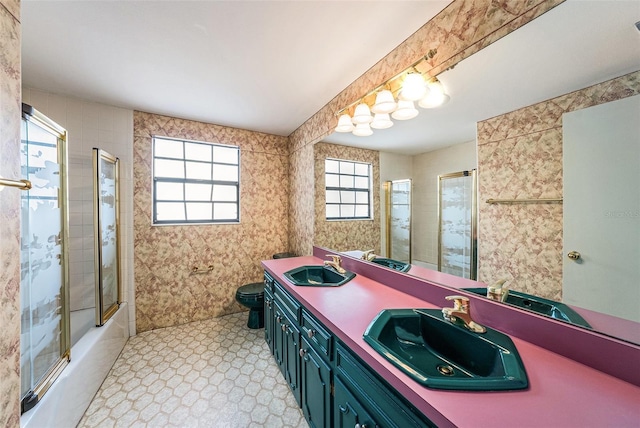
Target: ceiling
[265,66]
[270,65]
[573,46]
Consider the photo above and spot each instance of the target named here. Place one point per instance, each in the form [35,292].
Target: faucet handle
[367,255]
[460,303]
[460,314]
[334,258]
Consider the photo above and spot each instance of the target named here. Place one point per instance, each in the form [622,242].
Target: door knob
[573,255]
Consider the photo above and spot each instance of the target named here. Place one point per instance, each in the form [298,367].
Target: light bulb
[413,87]
[435,97]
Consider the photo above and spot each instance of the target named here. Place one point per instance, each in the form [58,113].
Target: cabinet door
[348,412]
[279,337]
[316,387]
[269,318]
[381,402]
[292,356]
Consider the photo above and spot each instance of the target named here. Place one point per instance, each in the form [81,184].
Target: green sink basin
[318,276]
[539,305]
[392,264]
[441,355]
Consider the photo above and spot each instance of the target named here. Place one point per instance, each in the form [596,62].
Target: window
[195,182]
[348,189]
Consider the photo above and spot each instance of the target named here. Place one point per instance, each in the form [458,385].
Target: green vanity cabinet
[269,317]
[333,387]
[370,396]
[316,387]
[317,343]
[287,338]
[348,410]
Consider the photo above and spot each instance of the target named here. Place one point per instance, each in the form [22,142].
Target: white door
[601,147]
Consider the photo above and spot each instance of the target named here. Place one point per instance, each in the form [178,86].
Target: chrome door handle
[573,255]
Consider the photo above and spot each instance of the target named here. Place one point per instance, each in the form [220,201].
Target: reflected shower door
[457,238]
[44,335]
[398,194]
[107,239]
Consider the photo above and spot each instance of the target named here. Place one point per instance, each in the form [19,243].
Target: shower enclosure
[44,291]
[107,230]
[457,224]
[398,219]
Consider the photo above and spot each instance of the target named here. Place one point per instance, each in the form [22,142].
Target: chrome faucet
[461,314]
[335,263]
[368,255]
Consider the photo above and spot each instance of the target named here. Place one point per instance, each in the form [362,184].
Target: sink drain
[445,370]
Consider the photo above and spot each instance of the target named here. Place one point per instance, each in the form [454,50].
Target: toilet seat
[251,292]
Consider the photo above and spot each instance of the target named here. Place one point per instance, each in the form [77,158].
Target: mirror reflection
[518,151]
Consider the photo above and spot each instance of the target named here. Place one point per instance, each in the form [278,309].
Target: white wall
[426,168]
[109,128]
[392,167]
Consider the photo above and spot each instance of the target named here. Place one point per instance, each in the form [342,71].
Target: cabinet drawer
[316,334]
[377,398]
[289,305]
[268,281]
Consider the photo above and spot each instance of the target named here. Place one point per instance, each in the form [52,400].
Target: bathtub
[92,356]
[81,322]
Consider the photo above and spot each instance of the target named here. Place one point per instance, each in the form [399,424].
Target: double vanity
[365,345]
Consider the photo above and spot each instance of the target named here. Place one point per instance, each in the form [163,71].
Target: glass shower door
[107,230]
[399,220]
[457,252]
[44,336]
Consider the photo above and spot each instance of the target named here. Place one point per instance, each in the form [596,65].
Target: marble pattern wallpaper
[166,292]
[353,234]
[10,108]
[301,201]
[520,156]
[458,31]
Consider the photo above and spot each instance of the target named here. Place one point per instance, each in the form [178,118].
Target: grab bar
[525,201]
[20,184]
[196,270]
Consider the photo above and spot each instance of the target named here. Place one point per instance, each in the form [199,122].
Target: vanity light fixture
[362,114]
[385,103]
[436,95]
[406,110]
[413,88]
[345,124]
[362,130]
[381,121]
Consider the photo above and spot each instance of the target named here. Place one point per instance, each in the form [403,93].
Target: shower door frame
[32,397]
[104,314]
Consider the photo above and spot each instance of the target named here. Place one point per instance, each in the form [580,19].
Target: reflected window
[348,190]
[195,182]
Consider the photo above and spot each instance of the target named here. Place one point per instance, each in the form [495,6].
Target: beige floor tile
[214,373]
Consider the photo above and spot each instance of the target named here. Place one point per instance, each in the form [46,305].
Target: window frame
[355,190]
[155,180]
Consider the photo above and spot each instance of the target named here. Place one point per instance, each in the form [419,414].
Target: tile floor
[214,373]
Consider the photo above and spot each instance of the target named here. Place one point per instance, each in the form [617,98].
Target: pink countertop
[561,393]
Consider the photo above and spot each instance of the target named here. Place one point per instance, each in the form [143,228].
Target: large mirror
[574,46]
